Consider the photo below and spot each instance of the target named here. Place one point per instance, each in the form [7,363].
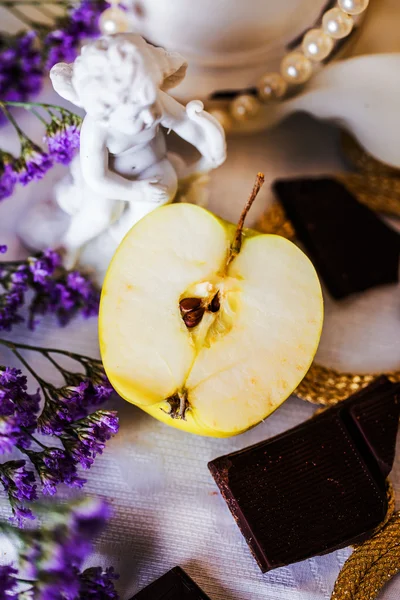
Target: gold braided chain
[378,186]
[372,563]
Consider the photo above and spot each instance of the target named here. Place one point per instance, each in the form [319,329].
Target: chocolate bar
[350,246]
[319,486]
[174,585]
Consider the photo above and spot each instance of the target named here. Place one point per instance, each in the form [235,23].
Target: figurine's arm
[95,171]
[196,126]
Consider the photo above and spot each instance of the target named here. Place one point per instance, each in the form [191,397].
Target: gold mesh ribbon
[378,186]
[372,563]
[326,386]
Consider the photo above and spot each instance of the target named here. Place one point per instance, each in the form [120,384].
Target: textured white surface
[166,507]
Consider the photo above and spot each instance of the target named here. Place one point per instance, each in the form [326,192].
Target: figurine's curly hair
[116,69]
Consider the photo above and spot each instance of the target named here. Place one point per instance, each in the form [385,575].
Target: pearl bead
[222,117]
[113,20]
[244,107]
[353,7]
[317,44]
[271,86]
[296,68]
[337,23]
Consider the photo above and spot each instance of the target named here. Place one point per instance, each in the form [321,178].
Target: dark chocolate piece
[319,486]
[174,585]
[351,247]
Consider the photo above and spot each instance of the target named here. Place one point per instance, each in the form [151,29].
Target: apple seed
[215,304]
[187,305]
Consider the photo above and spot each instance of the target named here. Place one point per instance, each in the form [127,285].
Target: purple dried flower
[42,267]
[20,486]
[65,405]
[98,584]
[8,177]
[18,410]
[33,163]
[10,303]
[84,18]
[55,559]
[63,142]
[59,298]
[60,47]
[56,291]
[88,518]
[87,437]
[82,22]
[55,466]
[72,402]
[8,583]
[51,555]
[20,66]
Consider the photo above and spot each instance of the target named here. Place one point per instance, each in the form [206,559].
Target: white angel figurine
[124,170]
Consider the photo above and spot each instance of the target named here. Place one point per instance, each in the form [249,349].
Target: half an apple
[204,326]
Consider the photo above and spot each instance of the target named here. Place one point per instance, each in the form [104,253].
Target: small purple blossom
[55,466]
[65,415]
[82,22]
[8,179]
[19,484]
[21,69]
[84,18]
[61,47]
[98,584]
[58,563]
[42,268]
[10,302]
[18,410]
[56,291]
[51,556]
[72,402]
[87,437]
[8,583]
[3,249]
[33,163]
[63,142]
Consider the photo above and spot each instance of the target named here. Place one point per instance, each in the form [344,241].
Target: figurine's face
[117,80]
[132,118]
[128,113]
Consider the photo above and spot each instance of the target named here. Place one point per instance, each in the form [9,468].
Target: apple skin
[193,425]
[192,422]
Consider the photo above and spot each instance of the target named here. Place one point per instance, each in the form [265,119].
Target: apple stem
[237,242]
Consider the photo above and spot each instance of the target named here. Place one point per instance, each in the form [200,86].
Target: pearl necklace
[296,67]
[113,19]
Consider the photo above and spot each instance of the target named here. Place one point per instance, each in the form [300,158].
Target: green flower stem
[21,135]
[38,116]
[11,263]
[43,384]
[34,104]
[25,581]
[35,440]
[84,361]
[55,364]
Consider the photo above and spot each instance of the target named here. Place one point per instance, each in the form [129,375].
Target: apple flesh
[224,369]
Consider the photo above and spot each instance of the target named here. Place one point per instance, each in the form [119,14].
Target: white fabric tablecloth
[167,510]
